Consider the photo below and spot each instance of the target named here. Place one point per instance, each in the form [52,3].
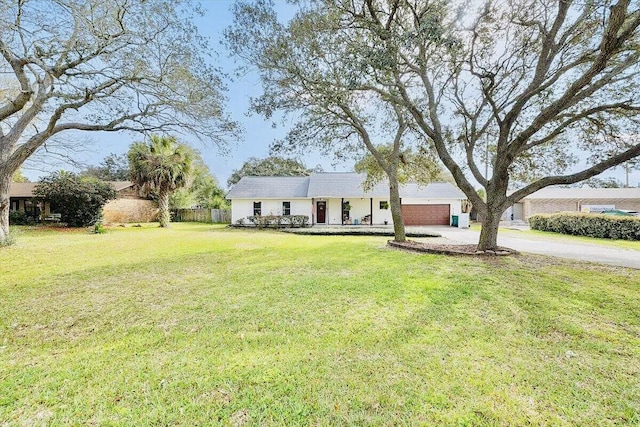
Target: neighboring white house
[339,199]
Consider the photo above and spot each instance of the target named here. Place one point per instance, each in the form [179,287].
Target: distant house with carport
[340,199]
[555,199]
[129,206]
[21,199]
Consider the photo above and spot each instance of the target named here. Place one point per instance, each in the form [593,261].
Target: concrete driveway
[555,246]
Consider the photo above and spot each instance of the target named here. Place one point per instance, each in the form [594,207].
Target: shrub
[275,221]
[590,225]
[299,220]
[18,218]
[78,200]
[98,228]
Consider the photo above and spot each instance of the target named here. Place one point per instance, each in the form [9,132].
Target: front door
[321,212]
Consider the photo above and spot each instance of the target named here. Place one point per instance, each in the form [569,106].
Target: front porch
[32,209]
[350,211]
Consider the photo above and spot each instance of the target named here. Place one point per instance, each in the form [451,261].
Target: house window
[286,208]
[257,208]
[384,205]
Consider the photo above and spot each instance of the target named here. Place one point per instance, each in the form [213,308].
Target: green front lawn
[201,325]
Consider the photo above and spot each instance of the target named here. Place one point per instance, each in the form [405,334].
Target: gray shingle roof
[343,185]
[22,189]
[270,187]
[585,193]
[333,185]
[435,190]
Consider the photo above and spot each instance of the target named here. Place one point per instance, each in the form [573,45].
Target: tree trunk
[396,211]
[163,205]
[489,234]
[5,180]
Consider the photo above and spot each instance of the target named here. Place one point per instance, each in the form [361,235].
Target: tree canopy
[602,183]
[114,167]
[534,83]
[271,166]
[414,167]
[18,176]
[303,74]
[102,65]
[202,191]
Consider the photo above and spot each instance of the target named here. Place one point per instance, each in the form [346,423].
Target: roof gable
[25,189]
[22,189]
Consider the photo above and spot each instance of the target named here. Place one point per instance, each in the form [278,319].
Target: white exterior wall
[381,215]
[455,204]
[242,208]
[359,208]
[333,213]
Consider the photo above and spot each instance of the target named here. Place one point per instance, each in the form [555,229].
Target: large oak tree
[307,72]
[538,84]
[101,65]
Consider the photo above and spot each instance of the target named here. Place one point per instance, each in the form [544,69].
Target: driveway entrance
[556,245]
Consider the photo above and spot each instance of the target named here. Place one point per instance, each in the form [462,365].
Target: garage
[425,214]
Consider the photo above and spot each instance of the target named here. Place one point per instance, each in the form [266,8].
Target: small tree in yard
[161,166]
[304,69]
[78,200]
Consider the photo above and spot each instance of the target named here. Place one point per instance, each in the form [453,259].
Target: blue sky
[259,133]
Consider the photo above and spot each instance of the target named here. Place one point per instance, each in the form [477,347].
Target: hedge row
[274,221]
[590,225]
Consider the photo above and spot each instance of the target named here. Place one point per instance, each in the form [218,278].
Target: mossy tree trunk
[489,234]
[396,209]
[5,180]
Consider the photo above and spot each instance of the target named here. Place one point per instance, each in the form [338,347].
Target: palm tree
[161,166]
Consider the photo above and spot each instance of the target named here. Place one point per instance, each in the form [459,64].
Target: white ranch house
[339,199]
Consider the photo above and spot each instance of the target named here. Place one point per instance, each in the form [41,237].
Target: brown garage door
[425,214]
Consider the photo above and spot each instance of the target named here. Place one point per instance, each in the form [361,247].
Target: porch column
[371,211]
[342,210]
[313,211]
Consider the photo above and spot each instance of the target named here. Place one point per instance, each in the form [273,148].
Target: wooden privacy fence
[202,215]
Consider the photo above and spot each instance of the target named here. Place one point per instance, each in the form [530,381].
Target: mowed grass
[201,325]
[566,238]
[546,235]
